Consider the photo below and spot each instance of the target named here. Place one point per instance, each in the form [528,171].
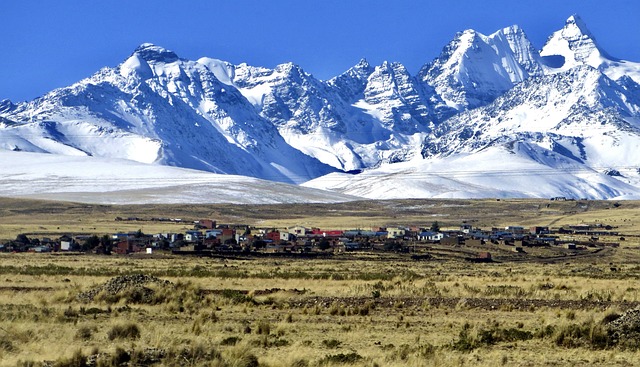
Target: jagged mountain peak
[363,64]
[514,28]
[290,68]
[575,24]
[361,70]
[153,53]
[573,45]
[282,123]
[474,69]
[389,65]
[6,106]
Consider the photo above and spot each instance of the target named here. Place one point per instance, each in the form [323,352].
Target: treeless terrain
[548,307]
[50,217]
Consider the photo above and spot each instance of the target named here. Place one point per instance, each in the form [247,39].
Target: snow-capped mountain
[561,131]
[490,116]
[474,69]
[575,45]
[357,120]
[158,108]
[580,112]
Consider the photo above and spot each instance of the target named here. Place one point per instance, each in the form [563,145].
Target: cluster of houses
[209,237]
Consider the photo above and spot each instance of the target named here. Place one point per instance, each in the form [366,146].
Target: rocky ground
[120,286]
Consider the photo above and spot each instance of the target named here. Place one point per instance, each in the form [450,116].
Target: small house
[395,232]
[430,236]
[192,236]
[299,230]
[206,223]
[66,243]
[273,236]
[537,230]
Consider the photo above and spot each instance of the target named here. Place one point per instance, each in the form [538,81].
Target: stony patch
[121,286]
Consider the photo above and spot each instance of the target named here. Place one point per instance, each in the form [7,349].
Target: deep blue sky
[51,44]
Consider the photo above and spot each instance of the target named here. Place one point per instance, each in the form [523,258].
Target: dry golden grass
[364,310]
[326,321]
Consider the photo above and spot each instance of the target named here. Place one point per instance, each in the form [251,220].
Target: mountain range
[491,116]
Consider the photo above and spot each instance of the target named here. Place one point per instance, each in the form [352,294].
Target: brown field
[50,217]
[549,308]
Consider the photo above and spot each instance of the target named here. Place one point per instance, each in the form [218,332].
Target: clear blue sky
[51,44]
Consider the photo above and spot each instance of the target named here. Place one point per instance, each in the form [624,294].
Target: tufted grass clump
[124,331]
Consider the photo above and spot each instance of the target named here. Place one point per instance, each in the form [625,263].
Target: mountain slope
[156,107]
[115,181]
[575,45]
[359,119]
[579,111]
[566,118]
[494,172]
[574,133]
[474,69]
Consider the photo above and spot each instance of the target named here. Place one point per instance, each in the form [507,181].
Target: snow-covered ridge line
[570,101]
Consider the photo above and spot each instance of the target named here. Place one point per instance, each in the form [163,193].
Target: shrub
[264,327]
[119,357]
[331,343]
[341,358]
[587,334]
[70,313]
[468,341]
[610,317]
[76,360]
[232,340]
[6,344]
[125,331]
[84,333]
[241,357]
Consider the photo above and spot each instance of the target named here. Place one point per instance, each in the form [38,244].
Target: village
[208,238]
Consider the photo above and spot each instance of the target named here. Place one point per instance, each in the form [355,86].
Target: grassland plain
[362,311]
[50,217]
[354,309]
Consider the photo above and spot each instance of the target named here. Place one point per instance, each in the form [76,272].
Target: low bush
[84,333]
[468,340]
[232,340]
[331,343]
[124,331]
[263,328]
[587,334]
[241,356]
[343,358]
